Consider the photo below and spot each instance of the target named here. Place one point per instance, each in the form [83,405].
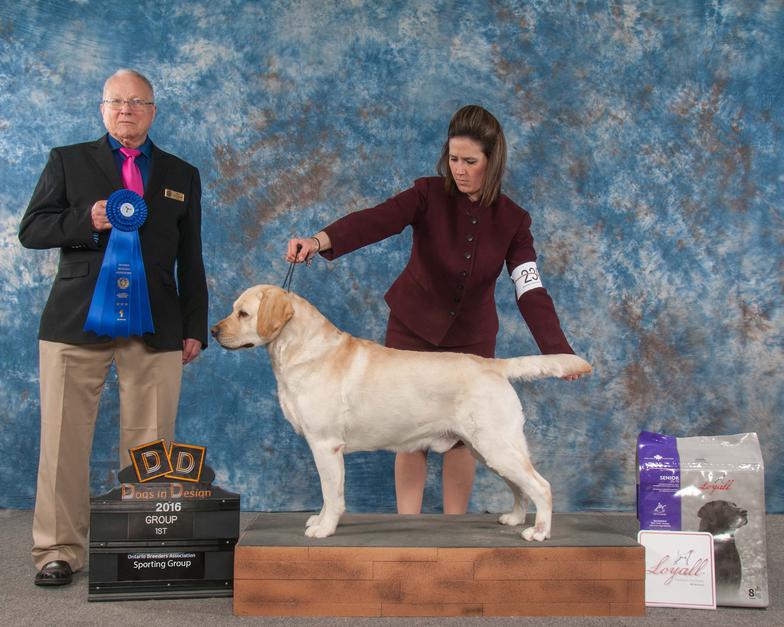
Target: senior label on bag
[136,566]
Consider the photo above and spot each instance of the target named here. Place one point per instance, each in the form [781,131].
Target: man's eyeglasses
[135,103]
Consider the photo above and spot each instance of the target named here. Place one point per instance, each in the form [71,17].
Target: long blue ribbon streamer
[121,303]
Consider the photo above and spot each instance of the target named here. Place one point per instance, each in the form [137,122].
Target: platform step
[432,565]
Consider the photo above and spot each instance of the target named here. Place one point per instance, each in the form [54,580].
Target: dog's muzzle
[215,331]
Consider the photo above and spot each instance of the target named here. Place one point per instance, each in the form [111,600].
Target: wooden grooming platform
[433,565]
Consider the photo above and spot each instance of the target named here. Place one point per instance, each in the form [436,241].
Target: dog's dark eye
[242,314]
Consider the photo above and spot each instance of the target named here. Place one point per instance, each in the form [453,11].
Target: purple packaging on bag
[713,484]
[659,480]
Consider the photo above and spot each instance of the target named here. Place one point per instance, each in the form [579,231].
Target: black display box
[162,540]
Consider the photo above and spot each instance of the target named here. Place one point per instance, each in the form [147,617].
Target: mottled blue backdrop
[645,138]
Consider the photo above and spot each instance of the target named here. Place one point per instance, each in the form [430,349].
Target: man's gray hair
[126,71]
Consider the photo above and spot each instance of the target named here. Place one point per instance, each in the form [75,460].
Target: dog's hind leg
[544,507]
[514,466]
[517,515]
[329,462]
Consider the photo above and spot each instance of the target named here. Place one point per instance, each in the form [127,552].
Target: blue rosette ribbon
[121,303]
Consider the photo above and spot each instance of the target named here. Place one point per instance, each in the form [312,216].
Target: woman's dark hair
[478,124]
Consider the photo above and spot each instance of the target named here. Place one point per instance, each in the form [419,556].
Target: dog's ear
[275,310]
[707,516]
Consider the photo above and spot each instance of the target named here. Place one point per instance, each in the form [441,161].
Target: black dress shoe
[57,573]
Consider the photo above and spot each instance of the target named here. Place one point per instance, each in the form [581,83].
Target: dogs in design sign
[344,394]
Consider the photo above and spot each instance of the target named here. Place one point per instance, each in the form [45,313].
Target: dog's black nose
[214,331]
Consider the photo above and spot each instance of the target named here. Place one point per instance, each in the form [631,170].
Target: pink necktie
[131,175]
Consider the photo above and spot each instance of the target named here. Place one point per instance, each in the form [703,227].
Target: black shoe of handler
[57,573]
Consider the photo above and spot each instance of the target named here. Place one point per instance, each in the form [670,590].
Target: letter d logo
[150,460]
[189,460]
[185,462]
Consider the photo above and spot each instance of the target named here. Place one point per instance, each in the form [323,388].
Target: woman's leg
[410,475]
[457,479]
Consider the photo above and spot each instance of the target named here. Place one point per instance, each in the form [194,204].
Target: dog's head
[257,318]
[720,517]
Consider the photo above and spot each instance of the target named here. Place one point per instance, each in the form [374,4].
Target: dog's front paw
[313,520]
[512,519]
[321,530]
[535,533]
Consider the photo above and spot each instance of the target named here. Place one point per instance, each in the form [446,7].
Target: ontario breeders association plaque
[163,539]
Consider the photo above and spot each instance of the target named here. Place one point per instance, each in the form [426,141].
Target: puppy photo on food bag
[722,519]
[345,394]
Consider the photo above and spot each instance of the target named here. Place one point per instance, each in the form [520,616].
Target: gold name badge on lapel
[170,193]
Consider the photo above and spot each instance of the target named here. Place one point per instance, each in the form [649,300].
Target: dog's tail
[542,366]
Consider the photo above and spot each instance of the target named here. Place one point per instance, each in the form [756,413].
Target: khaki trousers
[72,378]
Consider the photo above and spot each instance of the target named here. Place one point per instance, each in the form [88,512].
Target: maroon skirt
[400,336]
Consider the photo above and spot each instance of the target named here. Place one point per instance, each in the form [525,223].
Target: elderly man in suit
[68,211]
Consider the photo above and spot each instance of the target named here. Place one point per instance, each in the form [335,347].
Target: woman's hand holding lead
[307,249]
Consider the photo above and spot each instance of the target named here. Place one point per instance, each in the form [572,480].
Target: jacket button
[452,313]
[470,238]
[467,255]
[474,220]
[463,273]
[460,286]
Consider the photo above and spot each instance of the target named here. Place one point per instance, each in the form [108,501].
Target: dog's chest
[289,408]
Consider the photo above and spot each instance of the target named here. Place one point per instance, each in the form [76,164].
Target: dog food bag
[714,484]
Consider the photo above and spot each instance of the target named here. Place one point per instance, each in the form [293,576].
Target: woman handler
[464,229]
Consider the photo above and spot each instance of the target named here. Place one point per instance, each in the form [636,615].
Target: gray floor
[22,603]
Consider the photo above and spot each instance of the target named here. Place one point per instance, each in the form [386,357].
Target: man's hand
[190,350]
[98,215]
[571,377]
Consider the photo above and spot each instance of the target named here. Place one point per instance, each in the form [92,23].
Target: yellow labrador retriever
[345,394]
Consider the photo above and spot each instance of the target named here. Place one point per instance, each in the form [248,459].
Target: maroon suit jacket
[446,293]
